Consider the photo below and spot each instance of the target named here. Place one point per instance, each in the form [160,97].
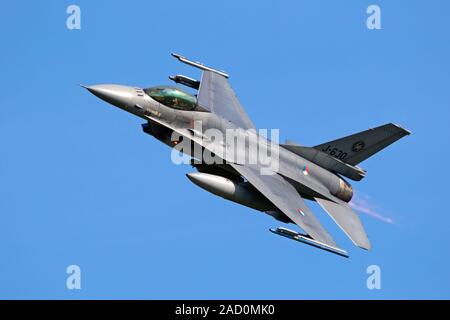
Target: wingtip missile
[308,240]
[198,65]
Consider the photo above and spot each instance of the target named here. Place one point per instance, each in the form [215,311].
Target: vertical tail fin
[358,147]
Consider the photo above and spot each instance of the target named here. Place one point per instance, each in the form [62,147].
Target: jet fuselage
[290,165]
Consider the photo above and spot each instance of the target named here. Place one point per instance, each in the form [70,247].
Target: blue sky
[81,184]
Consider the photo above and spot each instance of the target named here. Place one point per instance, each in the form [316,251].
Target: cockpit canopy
[172,97]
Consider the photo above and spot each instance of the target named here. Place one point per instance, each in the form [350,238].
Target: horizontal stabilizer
[347,220]
[326,161]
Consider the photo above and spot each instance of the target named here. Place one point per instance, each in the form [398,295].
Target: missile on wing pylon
[186,81]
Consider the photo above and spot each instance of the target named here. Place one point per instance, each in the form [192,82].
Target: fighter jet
[189,123]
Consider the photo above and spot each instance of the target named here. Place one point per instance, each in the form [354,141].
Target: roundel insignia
[358,146]
[305,170]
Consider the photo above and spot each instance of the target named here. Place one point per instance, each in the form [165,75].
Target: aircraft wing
[284,196]
[216,95]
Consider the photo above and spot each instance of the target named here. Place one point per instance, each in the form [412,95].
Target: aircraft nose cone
[120,96]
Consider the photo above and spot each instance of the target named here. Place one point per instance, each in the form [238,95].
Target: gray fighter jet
[189,123]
